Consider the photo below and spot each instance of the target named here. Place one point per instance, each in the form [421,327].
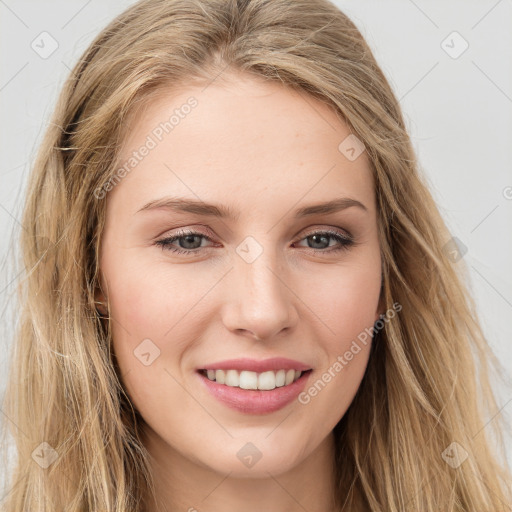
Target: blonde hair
[427,383]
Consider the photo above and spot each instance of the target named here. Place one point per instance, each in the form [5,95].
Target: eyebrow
[198,207]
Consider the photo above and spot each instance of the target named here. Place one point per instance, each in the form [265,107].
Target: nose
[261,304]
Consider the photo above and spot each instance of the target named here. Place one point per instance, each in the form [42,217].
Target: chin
[252,460]
[276,464]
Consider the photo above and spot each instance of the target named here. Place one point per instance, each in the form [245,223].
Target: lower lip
[252,401]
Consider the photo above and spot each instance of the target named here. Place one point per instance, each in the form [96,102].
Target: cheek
[138,321]
[348,309]
[148,302]
[347,299]
[152,313]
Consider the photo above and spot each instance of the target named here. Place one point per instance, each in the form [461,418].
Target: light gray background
[458,111]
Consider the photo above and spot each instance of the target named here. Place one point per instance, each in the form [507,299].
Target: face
[273,277]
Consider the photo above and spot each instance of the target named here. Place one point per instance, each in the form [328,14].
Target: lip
[253,365]
[250,401]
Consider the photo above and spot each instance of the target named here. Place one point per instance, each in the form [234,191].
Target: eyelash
[345,241]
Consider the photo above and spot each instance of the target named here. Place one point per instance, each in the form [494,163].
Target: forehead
[239,139]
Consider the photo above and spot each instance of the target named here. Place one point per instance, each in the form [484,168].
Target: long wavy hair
[428,380]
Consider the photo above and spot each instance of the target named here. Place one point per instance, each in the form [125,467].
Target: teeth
[220,376]
[280,378]
[267,380]
[248,380]
[290,376]
[232,378]
[252,380]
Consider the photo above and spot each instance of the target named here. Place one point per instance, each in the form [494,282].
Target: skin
[264,151]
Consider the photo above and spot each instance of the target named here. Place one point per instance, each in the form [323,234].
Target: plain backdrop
[449,62]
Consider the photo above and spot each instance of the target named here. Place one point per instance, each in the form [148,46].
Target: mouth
[250,392]
[250,380]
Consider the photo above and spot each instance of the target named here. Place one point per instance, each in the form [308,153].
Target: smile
[264,392]
[247,379]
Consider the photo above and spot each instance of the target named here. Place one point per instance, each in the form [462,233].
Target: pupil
[190,238]
[317,237]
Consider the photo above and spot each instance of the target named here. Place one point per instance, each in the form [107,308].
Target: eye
[322,238]
[188,246]
[189,242]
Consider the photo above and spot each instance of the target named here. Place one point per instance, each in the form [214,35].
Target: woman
[238,294]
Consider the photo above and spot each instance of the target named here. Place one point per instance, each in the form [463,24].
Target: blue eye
[191,241]
[319,237]
[190,238]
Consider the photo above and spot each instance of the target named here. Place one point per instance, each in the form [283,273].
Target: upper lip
[258,366]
